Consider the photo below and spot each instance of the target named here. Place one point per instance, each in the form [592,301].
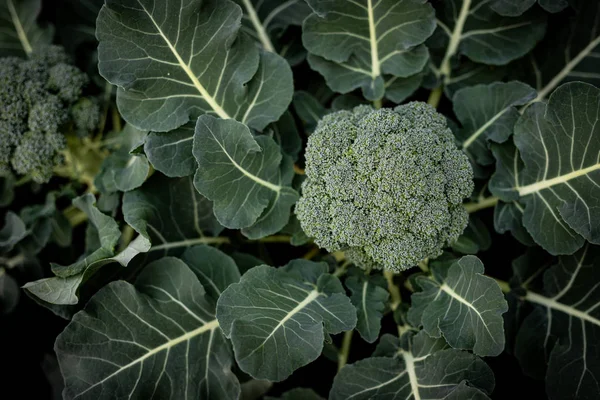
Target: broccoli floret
[37,154]
[86,116]
[67,81]
[36,97]
[385,186]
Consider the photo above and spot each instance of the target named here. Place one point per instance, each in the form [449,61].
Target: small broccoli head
[37,96]
[386,186]
[86,116]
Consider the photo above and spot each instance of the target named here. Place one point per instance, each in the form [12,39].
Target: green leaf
[468,73]
[365,43]
[44,223]
[309,109]
[369,297]
[156,338]
[568,53]
[484,36]
[424,371]
[508,217]
[563,328]
[514,8]
[184,59]
[286,135]
[171,215]
[488,113]
[277,318]
[19,32]
[561,172]
[474,239]
[171,152]
[466,308]
[7,187]
[63,289]
[215,270]
[122,171]
[13,231]
[9,293]
[243,176]
[266,21]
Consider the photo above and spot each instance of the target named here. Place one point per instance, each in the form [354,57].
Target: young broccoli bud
[385,186]
[86,116]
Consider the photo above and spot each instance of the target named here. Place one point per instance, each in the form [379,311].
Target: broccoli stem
[378,103]
[275,239]
[342,269]
[503,285]
[126,237]
[435,96]
[345,350]
[393,289]
[481,204]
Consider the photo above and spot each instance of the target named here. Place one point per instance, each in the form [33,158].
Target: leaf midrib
[209,326]
[186,68]
[557,180]
[19,27]
[547,302]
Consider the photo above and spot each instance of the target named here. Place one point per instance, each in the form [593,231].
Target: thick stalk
[345,350]
[435,96]
[455,39]
[481,204]
[393,289]
[258,27]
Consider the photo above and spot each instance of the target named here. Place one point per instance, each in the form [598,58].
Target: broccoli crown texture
[385,186]
[36,95]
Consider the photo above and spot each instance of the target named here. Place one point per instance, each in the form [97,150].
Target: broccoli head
[37,95]
[385,186]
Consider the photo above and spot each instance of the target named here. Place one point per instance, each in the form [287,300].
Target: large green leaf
[366,43]
[277,318]
[465,307]
[176,60]
[471,28]
[487,112]
[559,181]
[425,371]
[563,330]
[19,31]
[155,339]
[369,297]
[243,175]
[170,214]
[63,289]
[568,53]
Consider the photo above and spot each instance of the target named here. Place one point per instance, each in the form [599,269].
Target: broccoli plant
[300,199]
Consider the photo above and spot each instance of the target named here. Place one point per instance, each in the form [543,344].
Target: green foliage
[385,186]
[250,199]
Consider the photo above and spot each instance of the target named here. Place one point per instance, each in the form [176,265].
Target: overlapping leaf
[19,32]
[266,21]
[64,287]
[559,181]
[244,175]
[368,43]
[488,113]
[171,215]
[465,307]
[426,370]
[157,338]
[563,330]
[570,52]
[473,29]
[368,297]
[176,60]
[277,318]
[171,152]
